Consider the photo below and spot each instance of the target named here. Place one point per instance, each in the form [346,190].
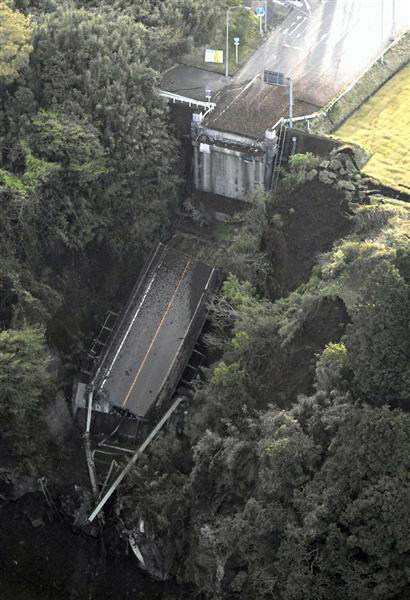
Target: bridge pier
[228,164]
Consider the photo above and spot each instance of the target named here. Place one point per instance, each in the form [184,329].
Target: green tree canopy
[378,340]
[352,540]
[24,382]
[15,44]
[93,67]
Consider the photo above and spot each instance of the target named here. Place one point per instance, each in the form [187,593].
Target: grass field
[382,126]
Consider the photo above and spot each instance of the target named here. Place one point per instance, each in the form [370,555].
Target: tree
[378,340]
[352,538]
[93,68]
[171,27]
[65,164]
[15,44]
[24,382]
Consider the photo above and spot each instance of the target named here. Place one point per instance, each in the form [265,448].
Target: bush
[301,168]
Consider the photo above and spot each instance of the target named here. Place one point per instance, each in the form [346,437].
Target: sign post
[260,12]
[236,41]
[277,78]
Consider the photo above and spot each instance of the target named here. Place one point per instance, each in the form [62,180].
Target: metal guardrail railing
[186,100]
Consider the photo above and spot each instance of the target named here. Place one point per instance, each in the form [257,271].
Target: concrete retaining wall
[227,172]
[299,141]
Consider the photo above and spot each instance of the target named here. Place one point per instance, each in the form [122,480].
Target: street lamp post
[227,36]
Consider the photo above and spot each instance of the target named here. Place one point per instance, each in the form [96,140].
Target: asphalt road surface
[324,45]
[154,333]
[327,44]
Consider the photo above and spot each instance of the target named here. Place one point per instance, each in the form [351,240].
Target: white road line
[170,303]
[129,328]
[286,30]
[292,47]
[324,36]
[297,27]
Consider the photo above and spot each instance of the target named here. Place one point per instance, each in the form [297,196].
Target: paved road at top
[323,46]
[155,331]
[326,48]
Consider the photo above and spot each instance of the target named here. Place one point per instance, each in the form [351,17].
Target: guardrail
[186,100]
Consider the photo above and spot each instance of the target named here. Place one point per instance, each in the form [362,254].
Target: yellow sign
[214,56]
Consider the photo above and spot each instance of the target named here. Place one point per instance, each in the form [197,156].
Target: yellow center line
[156,333]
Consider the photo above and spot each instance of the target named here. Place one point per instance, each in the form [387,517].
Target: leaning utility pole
[134,459]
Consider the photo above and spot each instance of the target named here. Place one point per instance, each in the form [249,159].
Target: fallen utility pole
[134,459]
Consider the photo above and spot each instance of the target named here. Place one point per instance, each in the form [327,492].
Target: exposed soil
[326,322]
[314,216]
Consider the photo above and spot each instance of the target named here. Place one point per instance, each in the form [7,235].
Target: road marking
[131,324]
[324,36]
[297,26]
[199,303]
[286,30]
[285,45]
[156,333]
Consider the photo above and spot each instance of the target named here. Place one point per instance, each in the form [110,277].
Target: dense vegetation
[89,171]
[291,479]
[299,488]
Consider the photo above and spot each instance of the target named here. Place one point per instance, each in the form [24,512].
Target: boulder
[324,164]
[311,175]
[358,155]
[350,167]
[346,185]
[326,177]
[335,164]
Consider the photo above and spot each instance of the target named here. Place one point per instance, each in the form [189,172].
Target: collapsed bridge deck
[157,333]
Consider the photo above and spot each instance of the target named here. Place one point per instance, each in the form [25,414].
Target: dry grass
[382,125]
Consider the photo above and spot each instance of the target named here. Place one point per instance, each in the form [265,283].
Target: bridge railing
[186,100]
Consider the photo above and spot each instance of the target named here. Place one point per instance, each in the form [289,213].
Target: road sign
[273,77]
[214,56]
[236,41]
[260,11]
